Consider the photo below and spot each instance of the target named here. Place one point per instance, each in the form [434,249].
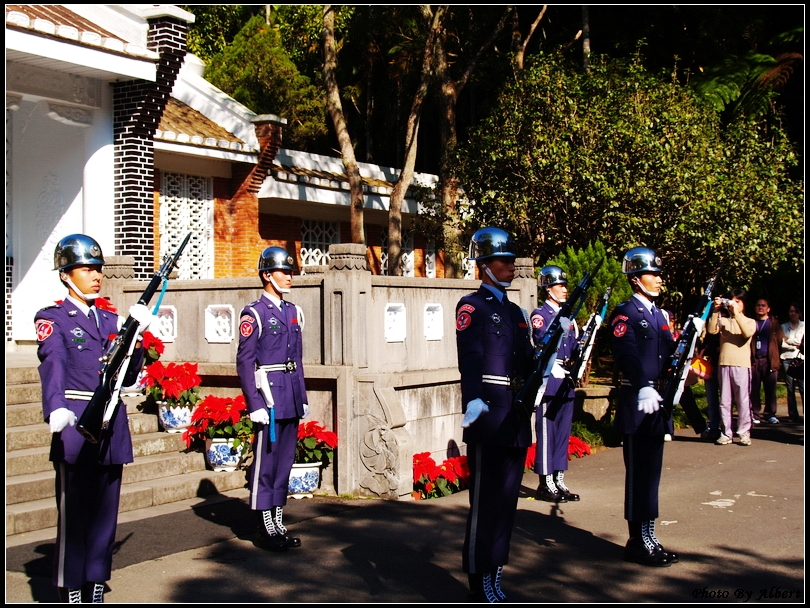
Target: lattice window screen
[316,236]
[187,205]
[407,253]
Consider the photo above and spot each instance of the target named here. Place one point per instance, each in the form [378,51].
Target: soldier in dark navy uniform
[271,374]
[551,457]
[642,349]
[494,357]
[72,336]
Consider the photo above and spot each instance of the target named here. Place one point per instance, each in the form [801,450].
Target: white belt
[287,367]
[77,395]
[514,384]
[654,383]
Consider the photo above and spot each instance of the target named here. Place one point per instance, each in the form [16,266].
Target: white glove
[649,401]
[699,325]
[565,323]
[475,408]
[261,416]
[306,411]
[557,370]
[141,313]
[60,418]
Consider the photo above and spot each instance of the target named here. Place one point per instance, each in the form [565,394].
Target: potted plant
[431,480]
[223,425]
[175,388]
[315,448]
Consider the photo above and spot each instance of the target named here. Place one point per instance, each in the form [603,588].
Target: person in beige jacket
[736,330]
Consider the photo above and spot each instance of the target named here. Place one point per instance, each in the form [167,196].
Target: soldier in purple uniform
[72,336]
[551,458]
[642,348]
[494,357]
[271,374]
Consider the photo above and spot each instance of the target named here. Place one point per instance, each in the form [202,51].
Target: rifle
[684,350]
[99,411]
[546,352]
[580,358]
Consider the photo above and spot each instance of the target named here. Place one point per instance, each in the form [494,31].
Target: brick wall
[137,108]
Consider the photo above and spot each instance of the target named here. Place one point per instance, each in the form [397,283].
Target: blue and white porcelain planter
[304,479]
[174,419]
[221,455]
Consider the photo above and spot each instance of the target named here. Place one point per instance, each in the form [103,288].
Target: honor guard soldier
[494,356]
[642,349]
[72,337]
[551,458]
[271,374]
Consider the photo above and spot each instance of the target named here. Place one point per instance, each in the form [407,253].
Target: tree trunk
[335,109]
[449,91]
[411,132]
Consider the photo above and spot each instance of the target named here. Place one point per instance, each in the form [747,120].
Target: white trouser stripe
[475,502]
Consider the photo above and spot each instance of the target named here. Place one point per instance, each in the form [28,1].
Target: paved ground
[734,514]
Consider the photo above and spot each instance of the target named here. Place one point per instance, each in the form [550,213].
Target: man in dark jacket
[765,362]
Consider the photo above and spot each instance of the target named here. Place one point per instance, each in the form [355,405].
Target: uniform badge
[44,329]
[273,321]
[665,327]
[538,322]
[72,313]
[620,330]
[246,327]
[619,318]
[463,320]
[77,331]
[466,308]
[644,323]
[496,319]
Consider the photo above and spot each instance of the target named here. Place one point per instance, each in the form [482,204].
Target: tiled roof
[56,21]
[328,179]
[183,124]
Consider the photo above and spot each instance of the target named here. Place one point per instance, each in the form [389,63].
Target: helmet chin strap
[557,300]
[492,276]
[278,289]
[88,297]
[649,294]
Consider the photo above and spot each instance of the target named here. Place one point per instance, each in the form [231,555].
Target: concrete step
[35,486]
[41,514]
[23,393]
[22,375]
[23,461]
[38,434]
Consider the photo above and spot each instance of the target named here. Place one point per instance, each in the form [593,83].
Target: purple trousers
[735,385]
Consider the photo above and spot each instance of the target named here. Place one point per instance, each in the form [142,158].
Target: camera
[725,302]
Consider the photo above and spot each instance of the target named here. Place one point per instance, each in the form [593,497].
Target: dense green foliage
[257,71]
[620,156]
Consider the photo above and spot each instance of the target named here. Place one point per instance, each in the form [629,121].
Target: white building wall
[62,183]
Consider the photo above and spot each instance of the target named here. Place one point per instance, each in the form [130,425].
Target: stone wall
[379,354]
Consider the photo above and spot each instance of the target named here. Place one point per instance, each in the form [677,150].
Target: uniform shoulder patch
[44,329]
[619,330]
[537,321]
[463,320]
[246,325]
[619,319]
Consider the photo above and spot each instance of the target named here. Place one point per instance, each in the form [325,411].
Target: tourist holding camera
[736,330]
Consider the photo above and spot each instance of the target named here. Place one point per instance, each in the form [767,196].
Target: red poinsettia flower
[153,345]
[315,443]
[531,454]
[174,383]
[220,417]
[431,480]
[577,447]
